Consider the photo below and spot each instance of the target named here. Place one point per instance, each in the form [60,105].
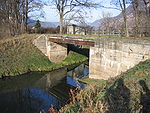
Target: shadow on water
[118,98]
[28,100]
[36,91]
[145,97]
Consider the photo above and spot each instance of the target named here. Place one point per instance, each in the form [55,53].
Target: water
[35,92]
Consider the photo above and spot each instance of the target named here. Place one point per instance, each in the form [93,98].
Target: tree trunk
[147,8]
[26,15]
[125,19]
[61,24]
[16,16]
[136,17]
[23,17]
[126,27]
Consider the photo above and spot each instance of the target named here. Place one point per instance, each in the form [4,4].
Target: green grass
[125,93]
[92,36]
[18,55]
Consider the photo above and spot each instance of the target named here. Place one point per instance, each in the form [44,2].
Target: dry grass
[18,55]
[127,93]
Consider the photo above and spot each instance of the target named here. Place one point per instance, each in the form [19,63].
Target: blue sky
[51,14]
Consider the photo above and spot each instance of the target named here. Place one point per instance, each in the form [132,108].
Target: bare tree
[122,4]
[106,23]
[14,15]
[141,18]
[147,8]
[65,7]
[109,25]
[28,7]
[135,5]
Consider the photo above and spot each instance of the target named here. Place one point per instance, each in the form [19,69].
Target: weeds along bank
[128,93]
[18,55]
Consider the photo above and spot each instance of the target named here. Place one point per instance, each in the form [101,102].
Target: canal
[36,92]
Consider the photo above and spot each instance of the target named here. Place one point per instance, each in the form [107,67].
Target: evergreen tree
[38,24]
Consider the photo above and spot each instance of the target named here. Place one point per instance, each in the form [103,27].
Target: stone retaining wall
[111,57]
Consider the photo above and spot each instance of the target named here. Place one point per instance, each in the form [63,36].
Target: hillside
[18,55]
[43,24]
[119,17]
[130,92]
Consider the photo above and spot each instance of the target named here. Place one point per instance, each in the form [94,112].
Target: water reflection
[71,81]
[36,92]
[79,72]
[28,100]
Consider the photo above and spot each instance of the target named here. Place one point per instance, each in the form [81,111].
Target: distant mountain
[49,24]
[43,24]
[129,12]
[96,23]
[31,22]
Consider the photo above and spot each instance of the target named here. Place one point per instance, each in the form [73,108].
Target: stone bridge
[108,57]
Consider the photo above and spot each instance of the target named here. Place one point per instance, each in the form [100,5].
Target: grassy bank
[93,36]
[129,92]
[18,55]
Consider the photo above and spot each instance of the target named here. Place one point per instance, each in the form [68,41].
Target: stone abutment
[110,57]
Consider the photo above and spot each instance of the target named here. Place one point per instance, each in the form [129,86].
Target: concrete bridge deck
[76,41]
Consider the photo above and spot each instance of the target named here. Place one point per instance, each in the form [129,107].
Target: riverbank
[129,92]
[18,55]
